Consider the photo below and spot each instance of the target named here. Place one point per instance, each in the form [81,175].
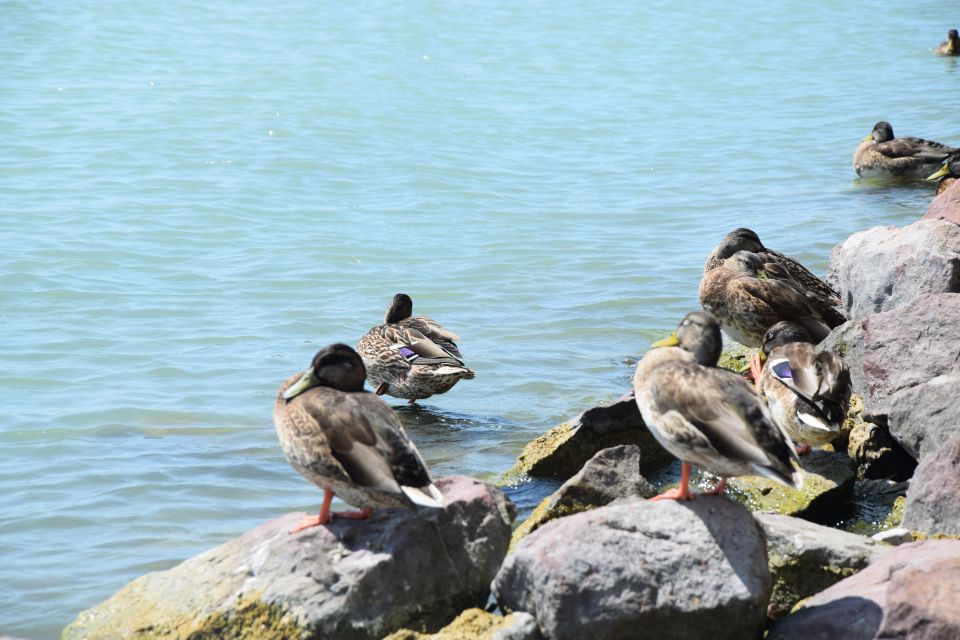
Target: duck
[348,441]
[819,294]
[747,301]
[708,417]
[951,46]
[411,357]
[947,174]
[881,155]
[807,391]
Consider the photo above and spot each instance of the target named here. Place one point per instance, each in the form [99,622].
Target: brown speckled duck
[748,302]
[818,293]
[348,441]
[807,391]
[881,155]
[409,356]
[950,46]
[708,417]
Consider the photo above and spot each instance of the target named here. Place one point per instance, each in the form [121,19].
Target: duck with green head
[705,416]
[348,441]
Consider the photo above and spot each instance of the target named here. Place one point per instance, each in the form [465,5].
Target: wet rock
[909,592]
[686,570]
[933,499]
[477,624]
[349,579]
[909,346]
[827,485]
[884,268]
[946,206]
[928,412]
[873,450]
[563,450]
[806,558]
[612,473]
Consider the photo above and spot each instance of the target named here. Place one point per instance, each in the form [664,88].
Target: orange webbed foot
[361,514]
[673,494]
[802,449]
[756,368]
[312,521]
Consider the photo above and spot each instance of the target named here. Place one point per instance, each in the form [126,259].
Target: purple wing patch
[408,353]
[782,370]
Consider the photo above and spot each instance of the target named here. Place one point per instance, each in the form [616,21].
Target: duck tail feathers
[428,496]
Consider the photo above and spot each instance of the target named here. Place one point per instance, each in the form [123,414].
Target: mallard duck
[951,46]
[348,441]
[708,417]
[411,357]
[948,173]
[747,302]
[818,293]
[881,155]
[807,391]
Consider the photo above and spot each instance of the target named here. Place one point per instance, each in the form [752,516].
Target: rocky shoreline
[596,558]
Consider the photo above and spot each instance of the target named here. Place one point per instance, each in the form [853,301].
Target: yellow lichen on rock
[472,624]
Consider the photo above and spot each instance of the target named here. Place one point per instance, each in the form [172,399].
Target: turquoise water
[196,198]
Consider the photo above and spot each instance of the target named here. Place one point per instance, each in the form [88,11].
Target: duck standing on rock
[948,173]
[951,46]
[748,302]
[807,391]
[411,357]
[708,417]
[348,441]
[821,296]
[880,155]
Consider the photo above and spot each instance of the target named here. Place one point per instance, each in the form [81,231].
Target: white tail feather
[428,496]
[813,421]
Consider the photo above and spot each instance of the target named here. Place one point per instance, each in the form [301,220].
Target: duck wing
[909,147]
[435,332]
[785,302]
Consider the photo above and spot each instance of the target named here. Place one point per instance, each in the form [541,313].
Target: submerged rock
[563,450]
[674,570]
[827,485]
[909,592]
[612,473]
[477,624]
[806,558]
[348,579]
[884,268]
[933,499]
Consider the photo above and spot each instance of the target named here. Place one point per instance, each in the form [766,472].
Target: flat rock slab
[888,267]
[924,416]
[611,474]
[910,593]
[563,450]
[639,569]
[828,479]
[347,580]
[933,499]
[806,558]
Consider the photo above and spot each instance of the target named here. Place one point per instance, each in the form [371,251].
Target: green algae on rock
[827,485]
[477,624]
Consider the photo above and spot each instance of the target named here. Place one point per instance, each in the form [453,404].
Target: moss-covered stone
[736,358]
[827,485]
[248,620]
[472,624]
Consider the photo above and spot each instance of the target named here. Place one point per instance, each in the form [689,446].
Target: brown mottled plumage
[708,417]
[820,296]
[807,391]
[747,302]
[950,46]
[881,155]
[411,357]
[346,440]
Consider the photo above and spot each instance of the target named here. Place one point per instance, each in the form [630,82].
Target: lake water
[197,196]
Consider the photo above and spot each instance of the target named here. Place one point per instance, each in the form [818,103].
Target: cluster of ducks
[351,444]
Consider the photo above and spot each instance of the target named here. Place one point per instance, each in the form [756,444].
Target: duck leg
[680,493]
[802,449]
[756,367]
[719,489]
[326,516]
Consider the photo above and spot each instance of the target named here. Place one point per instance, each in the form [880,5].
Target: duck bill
[670,341]
[866,138]
[763,275]
[763,356]
[944,171]
[308,380]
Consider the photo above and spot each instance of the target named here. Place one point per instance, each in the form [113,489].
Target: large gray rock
[888,267]
[910,345]
[933,499]
[847,342]
[806,558]
[638,569]
[611,474]
[347,580]
[910,593]
[946,206]
[923,416]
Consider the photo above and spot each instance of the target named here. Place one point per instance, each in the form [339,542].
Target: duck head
[337,366]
